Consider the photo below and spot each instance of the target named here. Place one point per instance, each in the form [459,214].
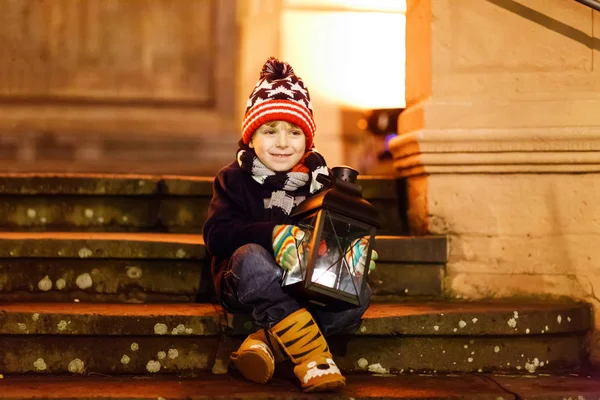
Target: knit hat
[279,95]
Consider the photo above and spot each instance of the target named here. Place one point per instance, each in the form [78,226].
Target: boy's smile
[279,145]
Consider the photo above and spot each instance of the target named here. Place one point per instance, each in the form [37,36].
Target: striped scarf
[283,184]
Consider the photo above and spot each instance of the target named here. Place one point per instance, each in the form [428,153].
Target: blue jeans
[252,284]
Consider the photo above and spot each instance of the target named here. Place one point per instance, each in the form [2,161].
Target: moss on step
[125,280]
[101,245]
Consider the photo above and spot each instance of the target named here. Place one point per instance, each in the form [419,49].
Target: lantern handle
[325,180]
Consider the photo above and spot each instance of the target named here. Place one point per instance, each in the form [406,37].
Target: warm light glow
[367,5]
[355,59]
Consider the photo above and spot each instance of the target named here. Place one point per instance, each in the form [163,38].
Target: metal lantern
[333,223]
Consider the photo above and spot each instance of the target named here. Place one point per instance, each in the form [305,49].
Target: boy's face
[279,145]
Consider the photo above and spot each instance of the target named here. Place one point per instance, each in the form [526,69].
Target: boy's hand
[285,251]
[356,255]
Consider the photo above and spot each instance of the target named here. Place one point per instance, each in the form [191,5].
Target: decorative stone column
[500,145]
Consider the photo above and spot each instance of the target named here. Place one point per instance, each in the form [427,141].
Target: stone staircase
[106,278]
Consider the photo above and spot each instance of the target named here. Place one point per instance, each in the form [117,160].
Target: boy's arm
[227,226]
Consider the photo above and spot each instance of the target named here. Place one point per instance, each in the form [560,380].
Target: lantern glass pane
[303,241]
[342,254]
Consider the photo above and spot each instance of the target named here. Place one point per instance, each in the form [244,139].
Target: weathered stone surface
[186,185]
[92,280]
[458,354]
[445,318]
[102,245]
[575,386]
[116,203]
[88,184]
[182,214]
[428,249]
[93,213]
[425,249]
[379,187]
[392,338]
[109,319]
[207,387]
[106,355]
[475,319]
[407,279]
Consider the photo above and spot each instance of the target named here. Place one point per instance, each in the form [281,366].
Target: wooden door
[96,73]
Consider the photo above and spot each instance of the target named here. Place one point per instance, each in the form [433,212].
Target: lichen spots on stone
[527,331]
[470,359]
[462,324]
[40,364]
[378,369]
[161,355]
[134,346]
[568,319]
[62,325]
[125,359]
[125,218]
[84,281]
[189,331]
[363,329]
[61,284]
[180,328]
[496,349]
[436,328]
[77,366]
[512,322]
[515,314]
[84,252]
[160,329]
[362,363]
[100,220]
[173,354]
[474,320]
[35,316]
[559,319]
[45,284]
[89,213]
[134,272]
[153,366]
[180,253]
[22,327]
[31,213]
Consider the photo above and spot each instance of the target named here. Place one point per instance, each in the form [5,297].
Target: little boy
[250,235]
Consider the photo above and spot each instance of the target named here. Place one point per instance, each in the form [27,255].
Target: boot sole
[254,366]
[327,386]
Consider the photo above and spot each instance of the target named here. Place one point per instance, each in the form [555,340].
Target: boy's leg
[346,321]
[251,284]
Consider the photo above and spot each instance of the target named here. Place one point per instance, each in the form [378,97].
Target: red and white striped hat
[279,95]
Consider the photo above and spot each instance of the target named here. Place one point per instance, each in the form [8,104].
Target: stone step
[428,337]
[160,267]
[358,387]
[89,202]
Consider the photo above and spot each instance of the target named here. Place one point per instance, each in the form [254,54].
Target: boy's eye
[269,132]
[296,133]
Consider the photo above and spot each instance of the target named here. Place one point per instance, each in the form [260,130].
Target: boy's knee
[254,260]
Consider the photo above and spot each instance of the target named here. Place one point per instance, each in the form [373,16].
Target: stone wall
[500,145]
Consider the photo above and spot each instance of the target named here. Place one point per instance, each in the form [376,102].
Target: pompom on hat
[279,95]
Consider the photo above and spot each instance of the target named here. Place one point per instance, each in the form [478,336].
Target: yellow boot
[300,337]
[254,359]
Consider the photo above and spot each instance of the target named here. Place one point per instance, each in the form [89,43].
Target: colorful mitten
[356,255]
[285,240]
[300,337]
